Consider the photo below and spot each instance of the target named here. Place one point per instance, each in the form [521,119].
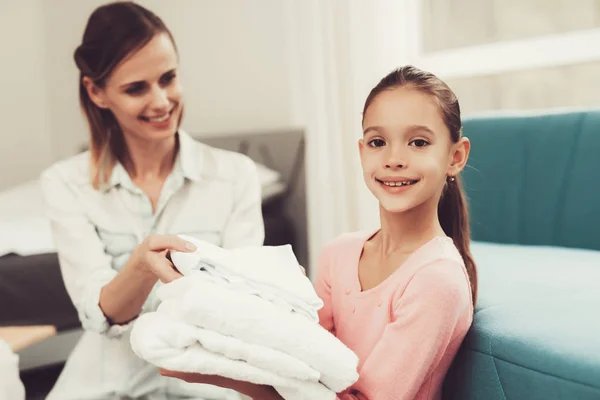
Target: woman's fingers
[169,242]
[163,268]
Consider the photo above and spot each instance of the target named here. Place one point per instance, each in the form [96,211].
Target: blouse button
[380,303]
[348,291]
[353,309]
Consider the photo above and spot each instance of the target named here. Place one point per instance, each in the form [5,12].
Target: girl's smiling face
[406,150]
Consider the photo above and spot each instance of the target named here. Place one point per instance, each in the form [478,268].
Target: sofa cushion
[533,179]
[536,332]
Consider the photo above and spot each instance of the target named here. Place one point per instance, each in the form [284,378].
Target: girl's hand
[150,256]
[258,392]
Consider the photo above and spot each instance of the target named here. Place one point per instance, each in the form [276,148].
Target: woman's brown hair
[113,32]
[452,208]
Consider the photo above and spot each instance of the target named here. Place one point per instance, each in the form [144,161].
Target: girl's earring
[451,178]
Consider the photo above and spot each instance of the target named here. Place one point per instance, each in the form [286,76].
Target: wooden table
[21,337]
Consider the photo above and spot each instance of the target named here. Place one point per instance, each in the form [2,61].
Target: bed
[31,287]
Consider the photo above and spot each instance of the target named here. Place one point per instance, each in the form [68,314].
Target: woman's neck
[407,231]
[149,160]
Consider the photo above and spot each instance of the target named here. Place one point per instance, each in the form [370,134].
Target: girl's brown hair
[452,208]
[113,31]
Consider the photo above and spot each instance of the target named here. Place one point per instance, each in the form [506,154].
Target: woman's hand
[150,256]
[258,392]
[122,299]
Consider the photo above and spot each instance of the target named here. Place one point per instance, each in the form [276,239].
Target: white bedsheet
[24,228]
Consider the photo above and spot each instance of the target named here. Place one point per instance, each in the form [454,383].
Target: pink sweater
[406,330]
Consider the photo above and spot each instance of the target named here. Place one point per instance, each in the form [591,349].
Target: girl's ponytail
[454,218]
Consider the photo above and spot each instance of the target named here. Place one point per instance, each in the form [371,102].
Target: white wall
[246,65]
[234,69]
[64,21]
[338,52]
[25,144]
[233,62]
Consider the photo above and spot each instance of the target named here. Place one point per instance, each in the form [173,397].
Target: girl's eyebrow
[412,128]
[420,128]
[377,129]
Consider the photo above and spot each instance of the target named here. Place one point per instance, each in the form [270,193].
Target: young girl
[402,297]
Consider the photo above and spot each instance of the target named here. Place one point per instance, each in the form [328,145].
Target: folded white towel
[172,344]
[254,320]
[242,286]
[180,335]
[271,272]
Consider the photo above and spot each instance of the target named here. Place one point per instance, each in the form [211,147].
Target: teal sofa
[533,183]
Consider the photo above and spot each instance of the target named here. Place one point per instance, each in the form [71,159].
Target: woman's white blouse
[211,194]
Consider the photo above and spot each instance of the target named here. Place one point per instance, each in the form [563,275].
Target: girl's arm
[323,289]
[431,317]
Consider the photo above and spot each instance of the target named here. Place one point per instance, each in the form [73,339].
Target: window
[511,54]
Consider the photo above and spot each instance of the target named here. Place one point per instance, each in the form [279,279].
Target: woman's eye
[167,78]
[377,143]
[135,89]
[419,143]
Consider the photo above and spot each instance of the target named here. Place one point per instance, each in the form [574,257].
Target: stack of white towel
[248,314]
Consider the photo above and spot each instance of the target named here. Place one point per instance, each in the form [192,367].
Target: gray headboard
[282,151]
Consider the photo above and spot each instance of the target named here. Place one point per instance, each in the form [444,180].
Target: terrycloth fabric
[167,331]
[240,285]
[178,346]
[256,321]
[204,327]
[271,272]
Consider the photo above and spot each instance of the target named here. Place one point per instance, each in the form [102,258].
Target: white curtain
[338,50]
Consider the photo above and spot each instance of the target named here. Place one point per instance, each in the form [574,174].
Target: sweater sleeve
[323,290]
[433,311]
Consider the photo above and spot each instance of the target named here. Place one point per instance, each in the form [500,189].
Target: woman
[116,209]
